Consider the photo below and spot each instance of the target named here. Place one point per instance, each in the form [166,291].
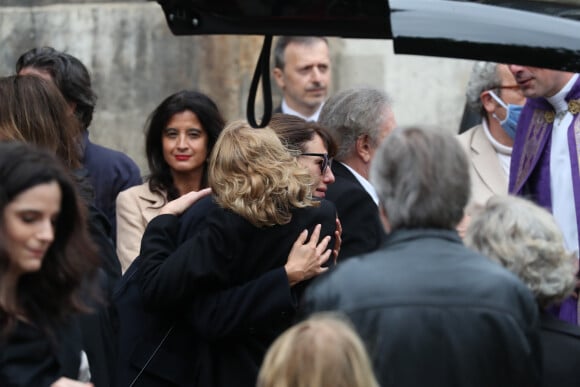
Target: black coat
[30,358]
[561,352]
[234,311]
[362,230]
[434,313]
[228,252]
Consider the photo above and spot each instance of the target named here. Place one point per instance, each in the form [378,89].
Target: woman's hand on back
[178,206]
[306,258]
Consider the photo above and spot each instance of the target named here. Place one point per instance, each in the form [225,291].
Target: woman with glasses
[314,144]
[231,285]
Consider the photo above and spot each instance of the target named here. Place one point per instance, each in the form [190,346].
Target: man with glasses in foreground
[493,92]
[359,119]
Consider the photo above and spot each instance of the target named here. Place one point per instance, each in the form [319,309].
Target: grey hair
[352,113]
[283,41]
[525,239]
[422,178]
[484,76]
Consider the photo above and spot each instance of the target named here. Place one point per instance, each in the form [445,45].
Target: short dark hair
[295,132]
[69,74]
[283,41]
[208,114]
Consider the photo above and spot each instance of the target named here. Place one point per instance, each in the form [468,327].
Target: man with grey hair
[358,119]
[302,71]
[493,92]
[431,311]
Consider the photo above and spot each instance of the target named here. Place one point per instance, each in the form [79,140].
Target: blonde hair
[525,239]
[252,174]
[319,352]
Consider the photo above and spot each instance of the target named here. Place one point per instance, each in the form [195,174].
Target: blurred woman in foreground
[45,256]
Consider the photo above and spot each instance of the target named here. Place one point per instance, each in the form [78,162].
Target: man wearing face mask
[494,93]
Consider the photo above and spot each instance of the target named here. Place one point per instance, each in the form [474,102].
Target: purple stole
[530,164]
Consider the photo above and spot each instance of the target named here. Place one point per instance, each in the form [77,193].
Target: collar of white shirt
[365,183]
[558,100]
[287,110]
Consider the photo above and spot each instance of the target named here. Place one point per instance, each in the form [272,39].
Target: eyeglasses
[326,161]
[515,88]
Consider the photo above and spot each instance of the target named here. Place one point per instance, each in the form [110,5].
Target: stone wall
[136,62]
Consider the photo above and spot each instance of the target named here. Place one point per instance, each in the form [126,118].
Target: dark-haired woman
[180,135]
[34,111]
[45,256]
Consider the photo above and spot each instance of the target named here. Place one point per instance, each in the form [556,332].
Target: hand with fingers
[178,206]
[337,240]
[306,258]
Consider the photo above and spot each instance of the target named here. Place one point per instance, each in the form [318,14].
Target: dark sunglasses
[326,161]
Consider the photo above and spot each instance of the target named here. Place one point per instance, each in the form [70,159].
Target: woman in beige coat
[180,134]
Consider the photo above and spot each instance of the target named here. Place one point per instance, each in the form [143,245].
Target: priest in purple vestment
[544,165]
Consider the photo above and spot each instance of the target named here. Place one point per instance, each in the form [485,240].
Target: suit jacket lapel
[152,202]
[486,163]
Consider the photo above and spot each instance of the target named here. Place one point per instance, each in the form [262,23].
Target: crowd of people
[330,248]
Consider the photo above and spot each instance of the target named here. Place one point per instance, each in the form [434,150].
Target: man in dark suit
[302,71]
[358,119]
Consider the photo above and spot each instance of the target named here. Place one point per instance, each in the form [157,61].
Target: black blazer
[362,230]
[561,352]
[30,358]
[228,252]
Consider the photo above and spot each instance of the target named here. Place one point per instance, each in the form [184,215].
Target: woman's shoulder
[321,210]
[140,192]
[323,206]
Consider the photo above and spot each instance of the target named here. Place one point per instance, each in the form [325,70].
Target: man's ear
[384,219]
[364,148]
[278,77]
[488,102]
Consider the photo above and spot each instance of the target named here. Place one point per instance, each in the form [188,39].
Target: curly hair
[208,114]
[46,297]
[322,351]
[525,239]
[254,175]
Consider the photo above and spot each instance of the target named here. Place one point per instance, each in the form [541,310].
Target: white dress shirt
[561,187]
[288,110]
